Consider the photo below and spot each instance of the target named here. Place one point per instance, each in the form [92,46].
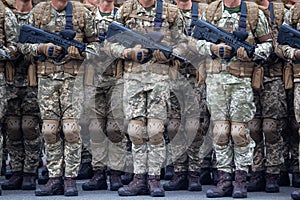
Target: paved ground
[285,193]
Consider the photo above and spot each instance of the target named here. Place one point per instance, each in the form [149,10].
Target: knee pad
[155,129]
[113,131]
[135,131]
[255,130]
[192,127]
[270,130]
[50,131]
[172,128]
[238,133]
[221,131]
[96,130]
[30,127]
[71,130]
[14,132]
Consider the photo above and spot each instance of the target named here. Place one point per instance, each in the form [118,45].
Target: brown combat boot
[224,186]
[70,188]
[115,180]
[272,183]
[138,186]
[178,182]
[28,182]
[155,188]
[240,187]
[257,182]
[194,181]
[97,182]
[14,183]
[85,171]
[54,186]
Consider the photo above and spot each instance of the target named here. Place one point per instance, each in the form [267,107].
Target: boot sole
[142,192]
[227,194]
[157,194]
[94,188]
[69,194]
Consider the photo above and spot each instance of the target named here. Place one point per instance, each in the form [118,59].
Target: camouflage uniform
[23,120]
[146,91]
[9,32]
[230,99]
[57,82]
[188,110]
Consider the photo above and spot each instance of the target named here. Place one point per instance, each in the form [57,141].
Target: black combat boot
[257,182]
[70,188]
[14,183]
[85,171]
[284,179]
[205,176]
[296,195]
[28,181]
[272,183]
[178,182]
[155,188]
[54,186]
[194,181]
[97,182]
[138,186]
[115,180]
[240,187]
[224,186]
[296,179]
[169,173]
[126,178]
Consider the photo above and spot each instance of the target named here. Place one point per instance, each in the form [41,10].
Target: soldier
[146,90]
[108,143]
[8,39]
[187,163]
[23,115]
[56,85]
[271,113]
[229,92]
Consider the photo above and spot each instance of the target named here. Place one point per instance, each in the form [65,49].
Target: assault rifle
[206,31]
[64,39]
[288,35]
[129,38]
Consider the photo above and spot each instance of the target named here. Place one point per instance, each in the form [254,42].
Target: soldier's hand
[221,50]
[160,56]
[242,55]
[297,54]
[49,50]
[74,53]
[136,54]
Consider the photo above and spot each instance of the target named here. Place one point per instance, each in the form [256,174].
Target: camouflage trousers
[61,99]
[3,105]
[230,98]
[271,103]
[145,97]
[24,142]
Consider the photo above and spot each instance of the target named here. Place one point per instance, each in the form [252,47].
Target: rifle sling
[243,17]
[69,16]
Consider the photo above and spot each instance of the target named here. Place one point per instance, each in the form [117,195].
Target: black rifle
[206,31]
[129,38]
[64,39]
[288,35]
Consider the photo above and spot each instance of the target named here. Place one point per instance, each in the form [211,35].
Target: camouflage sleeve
[264,48]
[90,31]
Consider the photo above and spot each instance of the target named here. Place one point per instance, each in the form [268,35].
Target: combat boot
[178,182]
[169,173]
[115,180]
[240,187]
[296,179]
[14,183]
[257,182]
[138,186]
[54,186]
[85,171]
[70,188]
[97,182]
[28,181]
[272,183]
[194,181]
[215,176]
[296,195]
[155,188]
[284,179]
[205,176]
[126,178]
[224,186]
